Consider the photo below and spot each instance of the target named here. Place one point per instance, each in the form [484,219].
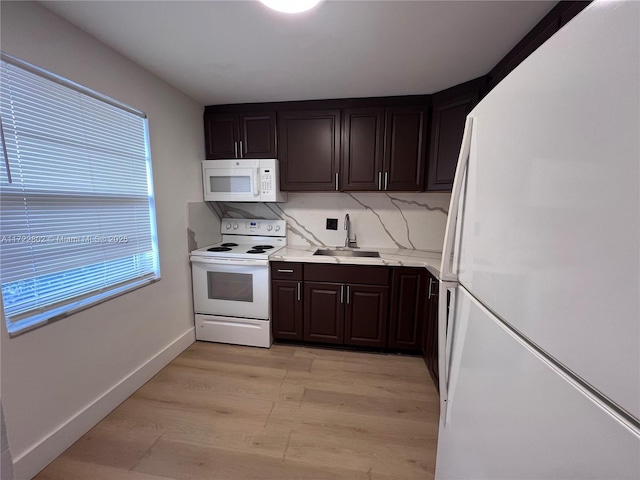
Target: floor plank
[288,412]
[65,468]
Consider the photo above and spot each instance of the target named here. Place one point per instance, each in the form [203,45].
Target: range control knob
[277,228]
[269,228]
[235,226]
[228,226]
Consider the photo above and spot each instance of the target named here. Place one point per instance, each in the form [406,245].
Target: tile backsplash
[384,220]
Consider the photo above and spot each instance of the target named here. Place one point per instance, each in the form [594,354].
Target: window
[77,217]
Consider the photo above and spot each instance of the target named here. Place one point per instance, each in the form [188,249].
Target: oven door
[233,288]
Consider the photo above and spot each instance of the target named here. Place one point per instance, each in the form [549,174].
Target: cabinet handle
[386,180]
[348,294]
[241,154]
[337,182]
[289,271]
[299,293]
[379,180]
[235,148]
[431,294]
[341,293]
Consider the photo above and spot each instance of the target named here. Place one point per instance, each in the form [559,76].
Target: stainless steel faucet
[348,241]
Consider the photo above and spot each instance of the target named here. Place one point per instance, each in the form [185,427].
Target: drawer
[353,274]
[286,271]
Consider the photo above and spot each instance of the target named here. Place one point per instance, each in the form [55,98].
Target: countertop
[388,256]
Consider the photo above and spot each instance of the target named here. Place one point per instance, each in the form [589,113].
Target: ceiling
[239,51]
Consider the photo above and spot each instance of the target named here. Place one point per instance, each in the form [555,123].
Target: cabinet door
[286,309]
[430,336]
[405,149]
[323,312]
[366,315]
[362,142]
[407,308]
[221,136]
[309,150]
[258,135]
[447,126]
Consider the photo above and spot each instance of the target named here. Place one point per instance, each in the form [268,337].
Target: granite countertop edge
[393,257]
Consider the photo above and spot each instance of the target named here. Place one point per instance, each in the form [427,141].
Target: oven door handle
[228,261]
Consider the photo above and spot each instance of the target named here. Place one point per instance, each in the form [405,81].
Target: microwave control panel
[266,180]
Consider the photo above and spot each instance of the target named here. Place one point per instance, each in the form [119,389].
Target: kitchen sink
[338,252]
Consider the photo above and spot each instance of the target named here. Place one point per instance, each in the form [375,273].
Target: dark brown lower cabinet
[286,309]
[287,300]
[408,295]
[366,306]
[366,315]
[323,312]
[345,314]
[346,304]
[430,336]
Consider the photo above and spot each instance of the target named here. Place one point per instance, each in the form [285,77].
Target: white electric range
[231,282]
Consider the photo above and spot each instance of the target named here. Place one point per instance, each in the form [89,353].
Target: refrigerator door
[549,236]
[512,415]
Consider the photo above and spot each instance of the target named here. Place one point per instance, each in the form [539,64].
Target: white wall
[59,380]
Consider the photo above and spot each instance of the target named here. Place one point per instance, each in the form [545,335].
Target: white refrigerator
[540,343]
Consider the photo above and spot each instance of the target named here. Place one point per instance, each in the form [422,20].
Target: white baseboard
[28,463]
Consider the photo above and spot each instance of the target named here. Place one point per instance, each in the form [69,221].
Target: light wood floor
[229,412]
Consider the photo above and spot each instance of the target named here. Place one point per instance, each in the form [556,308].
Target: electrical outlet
[332,224]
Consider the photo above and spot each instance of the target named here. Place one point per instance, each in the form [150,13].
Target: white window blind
[77,220]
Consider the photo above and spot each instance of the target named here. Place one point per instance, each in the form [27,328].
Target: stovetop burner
[253,239]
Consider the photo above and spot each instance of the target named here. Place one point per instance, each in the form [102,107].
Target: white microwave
[242,180]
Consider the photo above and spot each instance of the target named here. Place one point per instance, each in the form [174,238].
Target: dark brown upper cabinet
[221,136]
[405,148]
[244,135]
[448,115]
[383,149]
[309,150]
[362,149]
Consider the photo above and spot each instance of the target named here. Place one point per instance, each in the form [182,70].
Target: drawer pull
[284,271]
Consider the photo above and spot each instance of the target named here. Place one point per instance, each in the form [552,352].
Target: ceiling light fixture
[291,6]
